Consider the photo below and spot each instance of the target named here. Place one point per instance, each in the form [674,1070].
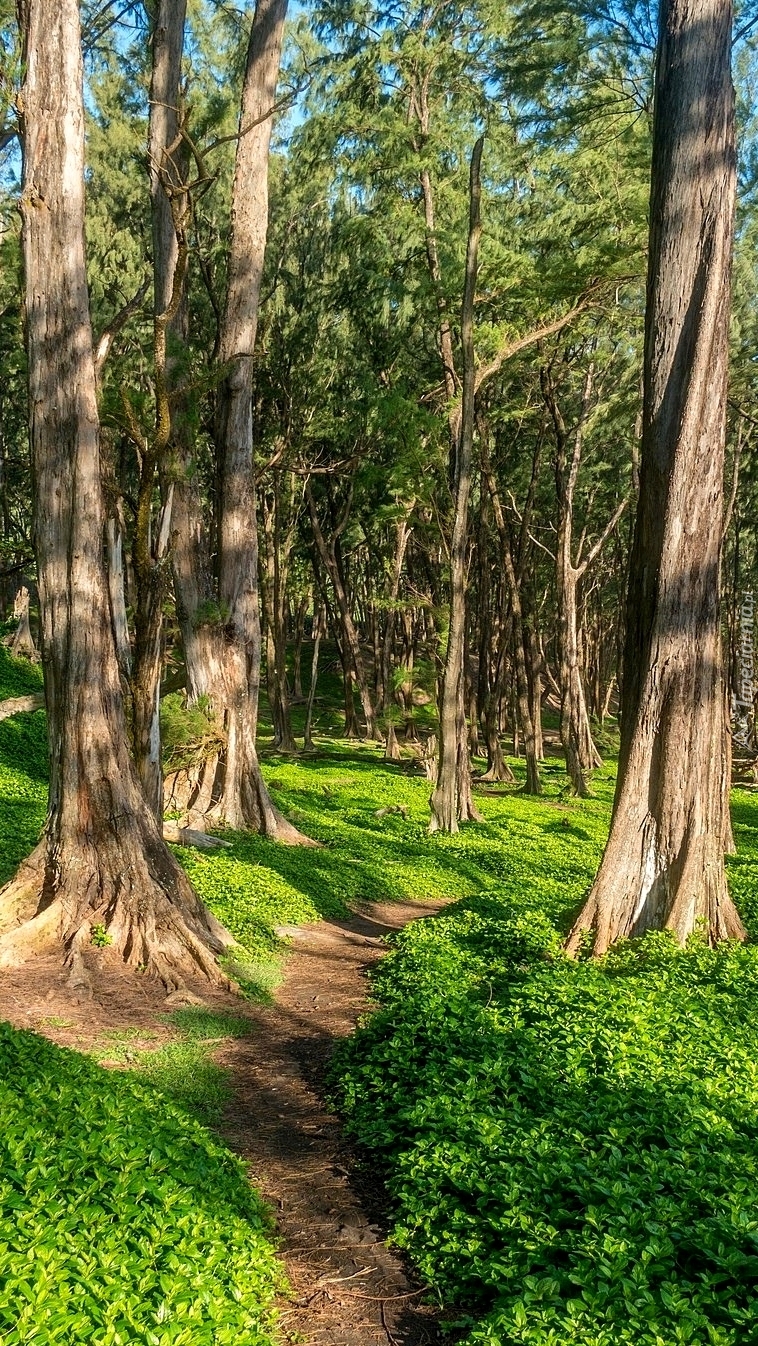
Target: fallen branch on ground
[18,705]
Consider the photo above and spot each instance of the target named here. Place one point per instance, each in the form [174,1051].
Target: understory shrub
[571,1149]
[123,1222]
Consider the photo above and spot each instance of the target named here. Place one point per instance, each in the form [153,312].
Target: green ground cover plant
[122,1220]
[571,1150]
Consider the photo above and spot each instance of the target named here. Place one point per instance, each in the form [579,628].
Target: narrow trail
[349,1288]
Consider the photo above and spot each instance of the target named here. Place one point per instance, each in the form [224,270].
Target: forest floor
[253,1072]
[347,1287]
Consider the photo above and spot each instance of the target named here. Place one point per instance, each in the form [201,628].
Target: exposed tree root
[188,836]
[18,705]
[199,795]
[645,889]
[153,920]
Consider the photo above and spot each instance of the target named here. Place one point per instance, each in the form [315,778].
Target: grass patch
[182,1070]
[198,1024]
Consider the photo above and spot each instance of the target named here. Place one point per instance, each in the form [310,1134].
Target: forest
[378,740]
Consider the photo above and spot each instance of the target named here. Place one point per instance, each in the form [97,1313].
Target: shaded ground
[349,1288]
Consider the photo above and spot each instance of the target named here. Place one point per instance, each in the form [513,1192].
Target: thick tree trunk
[221,624]
[151,536]
[244,801]
[451,800]
[664,863]
[102,859]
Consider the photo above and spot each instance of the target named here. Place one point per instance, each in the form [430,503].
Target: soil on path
[348,1288]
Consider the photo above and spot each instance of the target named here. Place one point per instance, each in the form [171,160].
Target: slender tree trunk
[576,735]
[319,626]
[451,799]
[663,866]
[353,659]
[102,859]
[532,784]
[391,748]
[302,609]
[534,673]
[497,767]
[151,537]
[22,644]
[274,572]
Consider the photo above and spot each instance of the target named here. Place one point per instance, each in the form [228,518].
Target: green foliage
[189,734]
[99,937]
[23,767]
[570,1148]
[121,1219]
[18,677]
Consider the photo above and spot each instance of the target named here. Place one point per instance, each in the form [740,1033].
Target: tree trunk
[532,785]
[663,866]
[576,736]
[274,571]
[451,799]
[302,609]
[352,656]
[22,644]
[534,672]
[244,801]
[102,859]
[151,537]
[220,621]
[391,747]
[319,626]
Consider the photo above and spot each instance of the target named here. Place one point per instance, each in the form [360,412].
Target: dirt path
[349,1288]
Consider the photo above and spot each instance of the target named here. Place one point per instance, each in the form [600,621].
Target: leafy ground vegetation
[570,1149]
[122,1220]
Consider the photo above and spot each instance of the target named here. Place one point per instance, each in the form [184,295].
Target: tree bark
[278,544]
[353,656]
[451,800]
[168,192]
[532,785]
[22,642]
[391,747]
[663,866]
[220,618]
[244,801]
[576,735]
[102,859]
[319,626]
